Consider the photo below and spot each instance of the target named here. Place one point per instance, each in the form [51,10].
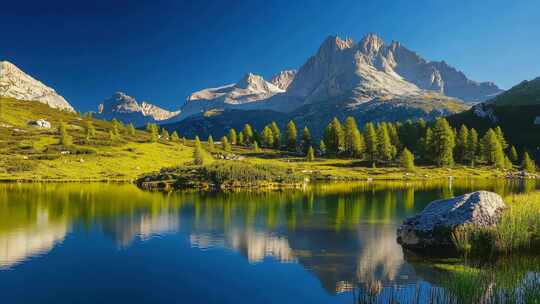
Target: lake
[330,243]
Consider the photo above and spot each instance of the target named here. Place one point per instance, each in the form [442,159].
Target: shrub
[238,171]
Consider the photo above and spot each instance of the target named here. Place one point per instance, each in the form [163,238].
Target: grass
[518,230]
[32,154]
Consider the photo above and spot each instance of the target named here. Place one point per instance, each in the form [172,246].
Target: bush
[19,165]
[237,171]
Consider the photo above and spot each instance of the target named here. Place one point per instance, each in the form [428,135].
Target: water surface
[109,243]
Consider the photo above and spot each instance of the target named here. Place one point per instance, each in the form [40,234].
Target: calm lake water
[107,243]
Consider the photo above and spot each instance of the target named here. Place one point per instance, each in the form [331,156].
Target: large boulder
[432,228]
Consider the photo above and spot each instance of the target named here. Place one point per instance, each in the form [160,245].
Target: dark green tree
[513,155]
[267,137]
[290,136]
[370,138]
[277,134]
[500,137]
[174,137]
[225,145]
[472,146]
[210,143]
[492,151]
[407,160]
[247,134]
[131,129]
[305,141]
[528,164]
[198,153]
[233,138]
[65,139]
[310,154]
[443,143]
[462,142]
[334,137]
[385,150]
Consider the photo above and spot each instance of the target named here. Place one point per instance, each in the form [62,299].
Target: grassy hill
[31,153]
[515,110]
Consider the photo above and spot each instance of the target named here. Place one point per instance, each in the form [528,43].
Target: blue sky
[161,51]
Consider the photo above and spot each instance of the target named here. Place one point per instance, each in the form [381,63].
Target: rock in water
[432,228]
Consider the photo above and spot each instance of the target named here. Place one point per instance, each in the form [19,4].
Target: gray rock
[433,227]
[40,123]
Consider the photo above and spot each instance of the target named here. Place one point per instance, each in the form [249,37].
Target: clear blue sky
[161,51]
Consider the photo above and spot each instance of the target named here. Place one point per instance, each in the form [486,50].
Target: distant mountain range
[126,109]
[369,80]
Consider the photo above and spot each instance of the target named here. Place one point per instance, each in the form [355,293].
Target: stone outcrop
[433,227]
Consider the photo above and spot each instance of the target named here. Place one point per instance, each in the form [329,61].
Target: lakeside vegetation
[81,148]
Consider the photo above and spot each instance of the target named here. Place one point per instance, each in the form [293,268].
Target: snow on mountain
[126,109]
[16,84]
[251,88]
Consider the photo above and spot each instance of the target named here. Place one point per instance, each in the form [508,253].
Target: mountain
[516,111]
[126,109]
[283,79]
[16,84]
[249,89]
[369,80]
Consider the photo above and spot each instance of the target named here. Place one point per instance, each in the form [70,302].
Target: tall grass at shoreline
[518,230]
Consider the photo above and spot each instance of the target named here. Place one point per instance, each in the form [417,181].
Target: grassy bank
[29,153]
[518,231]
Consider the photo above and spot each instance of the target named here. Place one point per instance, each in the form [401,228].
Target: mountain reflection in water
[343,234]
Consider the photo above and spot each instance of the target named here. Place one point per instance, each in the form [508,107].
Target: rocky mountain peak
[371,44]
[14,83]
[256,83]
[119,102]
[283,79]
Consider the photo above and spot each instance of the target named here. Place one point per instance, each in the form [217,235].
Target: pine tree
[409,135]
[116,127]
[334,137]
[426,145]
[112,136]
[472,146]
[370,138]
[267,137]
[131,129]
[256,148]
[210,142]
[198,153]
[90,130]
[305,141]
[322,147]
[174,136]
[394,137]
[508,163]
[443,143]
[233,137]
[528,164]
[65,138]
[491,149]
[153,129]
[354,144]
[500,137]
[247,134]
[241,140]
[385,148]
[310,154]
[164,134]
[407,160]
[513,155]
[277,134]
[290,136]
[225,145]
[462,141]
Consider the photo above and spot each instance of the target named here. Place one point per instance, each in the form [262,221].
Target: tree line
[433,143]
